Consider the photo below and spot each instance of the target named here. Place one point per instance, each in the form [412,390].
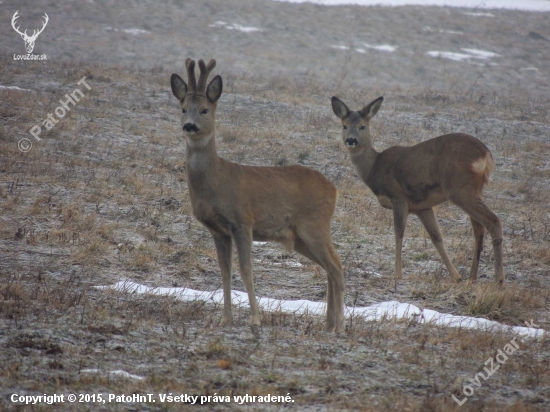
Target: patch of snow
[470,54]
[526,5]
[529,69]
[135,31]
[115,372]
[482,54]
[428,28]
[381,47]
[235,27]
[383,311]
[14,88]
[479,14]
[259,243]
[457,57]
[287,263]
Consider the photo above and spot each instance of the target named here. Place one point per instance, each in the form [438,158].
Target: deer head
[355,125]
[197,101]
[29,40]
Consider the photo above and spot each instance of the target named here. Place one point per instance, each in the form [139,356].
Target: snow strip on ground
[118,372]
[14,88]
[379,311]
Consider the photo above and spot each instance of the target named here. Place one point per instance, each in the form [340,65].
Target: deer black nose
[190,127]
[351,141]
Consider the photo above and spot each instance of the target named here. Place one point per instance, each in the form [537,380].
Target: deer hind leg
[479,231]
[317,245]
[223,249]
[243,242]
[400,213]
[301,247]
[478,211]
[429,220]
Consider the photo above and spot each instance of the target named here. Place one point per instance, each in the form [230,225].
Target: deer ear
[370,110]
[179,87]
[339,107]
[214,89]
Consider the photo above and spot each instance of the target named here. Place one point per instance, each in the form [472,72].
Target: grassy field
[103,197]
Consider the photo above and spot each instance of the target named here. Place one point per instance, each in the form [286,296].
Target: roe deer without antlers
[413,179]
[292,205]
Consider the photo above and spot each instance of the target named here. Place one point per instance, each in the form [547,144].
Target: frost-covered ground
[102,198]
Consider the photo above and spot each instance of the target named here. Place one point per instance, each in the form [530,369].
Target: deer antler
[205,72]
[190,66]
[13,19]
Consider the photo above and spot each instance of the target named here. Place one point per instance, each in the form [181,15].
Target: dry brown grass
[103,197]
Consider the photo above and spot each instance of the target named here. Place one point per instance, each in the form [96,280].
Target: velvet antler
[190,66]
[205,72]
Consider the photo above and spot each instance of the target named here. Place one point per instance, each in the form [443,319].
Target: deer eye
[362,127]
[183,111]
[204,111]
[345,127]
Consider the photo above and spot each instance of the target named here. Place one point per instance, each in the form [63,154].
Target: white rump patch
[479,165]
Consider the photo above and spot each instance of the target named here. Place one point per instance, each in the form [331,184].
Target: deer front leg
[400,213]
[223,249]
[243,241]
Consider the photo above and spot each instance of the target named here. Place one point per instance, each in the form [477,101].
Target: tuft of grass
[509,303]
[214,349]
[421,256]
[281,161]
[302,156]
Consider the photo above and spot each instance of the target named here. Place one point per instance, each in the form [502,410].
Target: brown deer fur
[413,179]
[238,204]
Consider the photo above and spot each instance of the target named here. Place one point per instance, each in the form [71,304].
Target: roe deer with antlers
[413,179]
[292,205]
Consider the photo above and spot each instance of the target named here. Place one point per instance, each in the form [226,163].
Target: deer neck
[202,164]
[363,161]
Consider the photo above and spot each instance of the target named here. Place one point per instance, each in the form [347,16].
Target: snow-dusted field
[109,285]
